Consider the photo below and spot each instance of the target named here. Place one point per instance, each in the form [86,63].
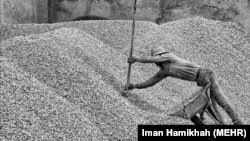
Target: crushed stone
[84,66]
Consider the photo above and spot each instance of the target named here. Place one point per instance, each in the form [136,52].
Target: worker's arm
[151,81]
[156,59]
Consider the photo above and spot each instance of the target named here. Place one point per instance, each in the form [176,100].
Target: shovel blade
[192,108]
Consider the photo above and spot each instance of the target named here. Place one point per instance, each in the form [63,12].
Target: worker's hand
[129,86]
[131,60]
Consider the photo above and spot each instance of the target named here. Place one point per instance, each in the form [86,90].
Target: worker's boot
[197,121]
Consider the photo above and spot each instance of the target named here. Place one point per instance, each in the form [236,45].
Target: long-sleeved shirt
[177,67]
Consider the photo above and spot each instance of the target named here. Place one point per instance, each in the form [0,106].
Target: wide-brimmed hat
[158,50]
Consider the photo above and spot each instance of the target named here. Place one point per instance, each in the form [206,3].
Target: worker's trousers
[206,76]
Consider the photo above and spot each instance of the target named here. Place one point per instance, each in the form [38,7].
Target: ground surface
[64,81]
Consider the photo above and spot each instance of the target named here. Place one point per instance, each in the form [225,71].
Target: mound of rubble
[64,80]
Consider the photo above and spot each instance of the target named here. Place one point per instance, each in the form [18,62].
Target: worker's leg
[224,103]
[216,110]
[205,77]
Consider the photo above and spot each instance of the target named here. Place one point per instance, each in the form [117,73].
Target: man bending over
[173,66]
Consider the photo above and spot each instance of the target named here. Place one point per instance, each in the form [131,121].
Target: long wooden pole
[132,43]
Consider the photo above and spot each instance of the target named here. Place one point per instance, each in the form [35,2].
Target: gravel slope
[117,34]
[30,110]
[76,71]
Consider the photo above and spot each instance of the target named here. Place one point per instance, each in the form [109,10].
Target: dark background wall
[160,11]
[24,11]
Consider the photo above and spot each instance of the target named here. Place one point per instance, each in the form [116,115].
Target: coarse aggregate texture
[117,34]
[73,63]
[57,76]
[30,110]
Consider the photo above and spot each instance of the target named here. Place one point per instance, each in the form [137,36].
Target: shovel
[201,104]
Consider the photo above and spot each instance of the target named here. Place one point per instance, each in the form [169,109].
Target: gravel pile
[30,110]
[74,64]
[117,34]
[63,81]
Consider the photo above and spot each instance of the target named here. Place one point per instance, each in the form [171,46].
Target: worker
[173,66]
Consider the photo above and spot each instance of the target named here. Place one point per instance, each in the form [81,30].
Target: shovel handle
[132,43]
